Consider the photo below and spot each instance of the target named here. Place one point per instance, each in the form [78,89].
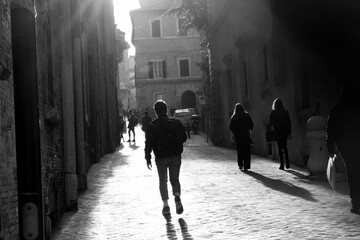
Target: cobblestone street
[220,202]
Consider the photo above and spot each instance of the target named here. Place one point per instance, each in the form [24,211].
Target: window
[181,30]
[184,68]
[159,96]
[155,28]
[157,69]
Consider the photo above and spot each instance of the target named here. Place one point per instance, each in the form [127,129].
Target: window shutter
[151,73]
[164,69]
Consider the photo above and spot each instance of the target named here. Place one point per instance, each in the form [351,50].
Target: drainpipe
[68,107]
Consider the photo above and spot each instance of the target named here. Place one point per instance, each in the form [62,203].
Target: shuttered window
[157,69]
[155,28]
[182,31]
[184,68]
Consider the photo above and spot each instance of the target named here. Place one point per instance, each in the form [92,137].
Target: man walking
[343,128]
[165,137]
[145,121]
[133,121]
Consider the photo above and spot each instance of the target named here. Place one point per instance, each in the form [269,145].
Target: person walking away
[165,137]
[241,125]
[133,121]
[342,134]
[145,121]
[281,123]
[121,127]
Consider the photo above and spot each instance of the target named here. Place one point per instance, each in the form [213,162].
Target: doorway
[188,99]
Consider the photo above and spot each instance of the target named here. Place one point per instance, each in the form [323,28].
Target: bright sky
[122,18]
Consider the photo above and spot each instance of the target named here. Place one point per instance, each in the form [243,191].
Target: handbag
[331,172]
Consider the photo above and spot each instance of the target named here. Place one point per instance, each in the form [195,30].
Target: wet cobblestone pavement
[220,202]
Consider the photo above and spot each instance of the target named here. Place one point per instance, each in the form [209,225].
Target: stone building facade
[265,49]
[57,81]
[166,58]
[124,76]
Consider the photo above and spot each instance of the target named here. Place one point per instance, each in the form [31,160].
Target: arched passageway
[188,99]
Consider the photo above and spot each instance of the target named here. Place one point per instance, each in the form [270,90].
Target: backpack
[133,121]
[170,137]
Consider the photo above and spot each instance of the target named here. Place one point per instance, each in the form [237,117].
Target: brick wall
[8,184]
[50,112]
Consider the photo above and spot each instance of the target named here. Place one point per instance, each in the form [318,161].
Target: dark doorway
[188,99]
[27,123]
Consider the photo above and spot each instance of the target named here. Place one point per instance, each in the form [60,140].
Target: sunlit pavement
[220,202]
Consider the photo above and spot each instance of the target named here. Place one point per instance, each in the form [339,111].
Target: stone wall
[8,185]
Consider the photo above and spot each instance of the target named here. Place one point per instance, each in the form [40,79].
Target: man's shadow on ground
[171,231]
[281,186]
[133,145]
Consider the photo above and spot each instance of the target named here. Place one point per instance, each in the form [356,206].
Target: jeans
[173,164]
[283,150]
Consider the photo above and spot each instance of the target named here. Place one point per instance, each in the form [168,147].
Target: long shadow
[170,228]
[184,230]
[284,187]
[298,174]
[134,146]
[171,231]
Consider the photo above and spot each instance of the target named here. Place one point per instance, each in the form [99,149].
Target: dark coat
[280,120]
[343,127]
[133,121]
[240,126]
[145,121]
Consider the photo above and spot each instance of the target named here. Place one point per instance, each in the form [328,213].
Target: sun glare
[122,18]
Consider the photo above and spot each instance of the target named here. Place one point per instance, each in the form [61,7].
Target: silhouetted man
[343,133]
[165,137]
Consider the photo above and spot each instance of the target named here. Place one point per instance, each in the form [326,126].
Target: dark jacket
[165,137]
[343,127]
[240,125]
[280,120]
[133,121]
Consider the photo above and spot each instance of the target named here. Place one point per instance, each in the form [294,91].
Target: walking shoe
[133,140]
[166,211]
[128,140]
[179,206]
[281,167]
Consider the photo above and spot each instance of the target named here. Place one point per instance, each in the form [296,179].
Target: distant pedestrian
[145,121]
[165,137]
[121,127]
[281,123]
[241,125]
[133,121]
[343,134]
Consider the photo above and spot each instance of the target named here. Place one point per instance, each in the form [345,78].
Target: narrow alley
[220,202]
